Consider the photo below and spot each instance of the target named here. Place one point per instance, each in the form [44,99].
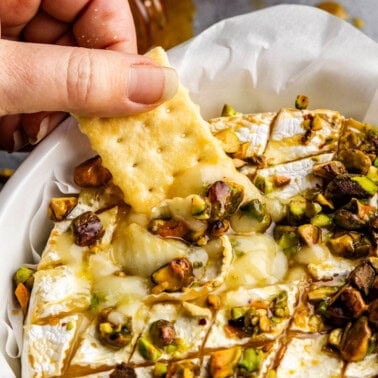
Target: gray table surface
[210,11]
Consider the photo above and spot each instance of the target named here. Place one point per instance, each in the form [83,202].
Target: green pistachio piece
[250,360]
[200,207]
[238,312]
[321,220]
[309,233]
[372,174]
[148,350]
[301,102]
[223,362]
[22,275]
[334,338]
[366,184]
[228,111]
[160,370]
[321,293]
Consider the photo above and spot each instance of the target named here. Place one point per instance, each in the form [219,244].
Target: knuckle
[79,84]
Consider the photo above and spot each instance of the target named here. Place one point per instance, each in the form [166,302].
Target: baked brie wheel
[268,267]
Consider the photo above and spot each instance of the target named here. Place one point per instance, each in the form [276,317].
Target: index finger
[97,23]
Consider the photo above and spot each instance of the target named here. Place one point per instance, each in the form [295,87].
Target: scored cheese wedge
[297,134]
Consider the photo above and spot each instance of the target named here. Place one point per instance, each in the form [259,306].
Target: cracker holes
[120,140]
[135,164]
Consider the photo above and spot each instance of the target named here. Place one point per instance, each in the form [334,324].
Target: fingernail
[151,84]
[42,132]
[19,141]
[46,126]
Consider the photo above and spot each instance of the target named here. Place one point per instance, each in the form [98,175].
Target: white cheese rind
[300,175]
[252,128]
[57,291]
[367,368]
[286,139]
[46,347]
[305,358]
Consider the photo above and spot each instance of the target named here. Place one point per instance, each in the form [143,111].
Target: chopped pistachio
[372,174]
[322,200]
[334,8]
[280,181]
[374,262]
[342,245]
[223,362]
[174,276]
[160,370]
[280,305]
[229,140]
[263,184]
[287,238]
[95,300]
[60,207]
[162,333]
[243,151]
[250,360]
[172,348]
[372,345]
[316,123]
[228,111]
[117,333]
[353,216]
[23,275]
[334,338]
[200,207]
[355,160]
[358,22]
[264,322]
[321,220]
[214,301]
[238,312]
[322,307]
[148,350]
[344,187]
[355,341]
[309,233]
[366,184]
[329,170]
[296,210]
[225,199]
[321,293]
[302,102]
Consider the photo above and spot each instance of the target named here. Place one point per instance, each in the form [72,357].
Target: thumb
[41,77]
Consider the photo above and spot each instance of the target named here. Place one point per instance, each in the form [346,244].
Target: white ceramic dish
[251,62]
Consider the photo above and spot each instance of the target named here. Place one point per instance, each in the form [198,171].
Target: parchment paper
[256,62]
[262,60]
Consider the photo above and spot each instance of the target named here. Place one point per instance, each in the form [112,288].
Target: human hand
[43,79]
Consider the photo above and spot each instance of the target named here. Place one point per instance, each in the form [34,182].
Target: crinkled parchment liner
[257,62]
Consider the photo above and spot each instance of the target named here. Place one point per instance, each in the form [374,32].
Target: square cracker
[164,153]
